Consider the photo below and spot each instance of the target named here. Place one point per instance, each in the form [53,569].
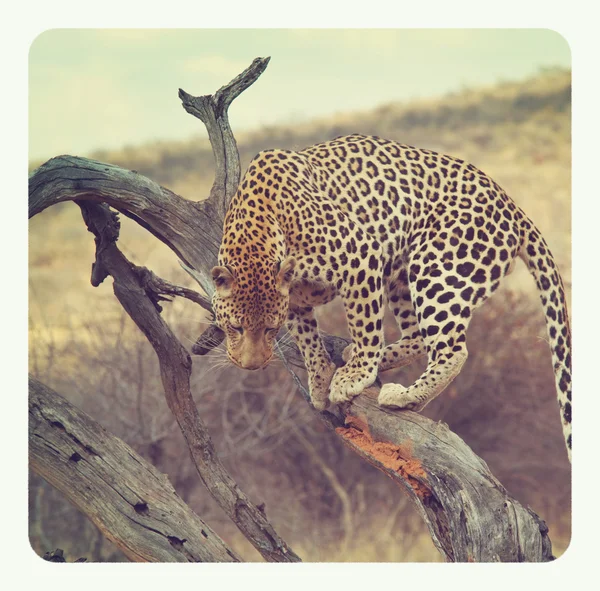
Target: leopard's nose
[252,365]
[254,360]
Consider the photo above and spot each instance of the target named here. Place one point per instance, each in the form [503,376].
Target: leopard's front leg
[302,325]
[363,301]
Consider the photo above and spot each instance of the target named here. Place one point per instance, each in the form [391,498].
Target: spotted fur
[375,221]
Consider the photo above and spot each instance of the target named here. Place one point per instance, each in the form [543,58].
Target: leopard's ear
[224,280]
[285,274]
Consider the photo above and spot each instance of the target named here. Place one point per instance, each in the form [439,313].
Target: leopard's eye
[239,329]
[271,331]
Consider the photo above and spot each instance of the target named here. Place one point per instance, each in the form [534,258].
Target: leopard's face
[250,333]
[250,308]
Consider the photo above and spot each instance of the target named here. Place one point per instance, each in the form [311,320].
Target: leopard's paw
[319,386]
[397,396]
[348,383]
[319,404]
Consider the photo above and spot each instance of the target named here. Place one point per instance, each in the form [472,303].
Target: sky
[107,88]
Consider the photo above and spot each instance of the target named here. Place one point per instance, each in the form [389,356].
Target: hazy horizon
[94,89]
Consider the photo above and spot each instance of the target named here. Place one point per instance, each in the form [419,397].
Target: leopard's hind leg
[444,297]
[411,344]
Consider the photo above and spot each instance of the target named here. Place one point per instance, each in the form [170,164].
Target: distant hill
[463,123]
[467,121]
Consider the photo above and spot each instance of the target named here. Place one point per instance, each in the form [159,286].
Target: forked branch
[212,111]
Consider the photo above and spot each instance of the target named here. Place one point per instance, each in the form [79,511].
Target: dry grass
[503,403]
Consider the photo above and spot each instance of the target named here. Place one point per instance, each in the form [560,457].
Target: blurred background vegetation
[327,503]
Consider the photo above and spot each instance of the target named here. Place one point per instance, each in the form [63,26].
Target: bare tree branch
[158,289]
[175,366]
[212,337]
[128,499]
[193,231]
[471,517]
[212,111]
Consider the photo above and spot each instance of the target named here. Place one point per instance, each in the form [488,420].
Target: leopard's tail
[536,254]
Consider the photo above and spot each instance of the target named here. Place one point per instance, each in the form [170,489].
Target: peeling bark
[471,517]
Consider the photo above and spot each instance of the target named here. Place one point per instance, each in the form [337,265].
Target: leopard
[376,223]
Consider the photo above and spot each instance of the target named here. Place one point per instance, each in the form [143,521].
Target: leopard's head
[251,305]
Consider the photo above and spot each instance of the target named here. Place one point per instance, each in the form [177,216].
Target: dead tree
[470,515]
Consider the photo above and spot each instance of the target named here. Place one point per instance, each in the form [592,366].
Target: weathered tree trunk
[128,499]
[470,516]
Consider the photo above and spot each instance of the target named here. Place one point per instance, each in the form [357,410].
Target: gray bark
[128,499]
[470,515]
